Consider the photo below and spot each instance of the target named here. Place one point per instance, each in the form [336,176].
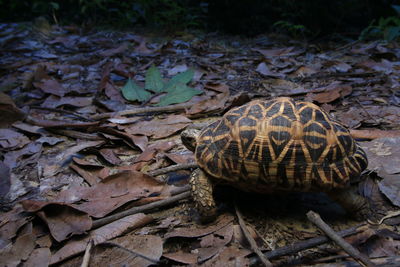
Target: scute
[279,144]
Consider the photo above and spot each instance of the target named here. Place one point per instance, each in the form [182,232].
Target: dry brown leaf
[330,93]
[207,105]
[55,101]
[150,246]
[10,139]
[19,251]
[263,69]
[39,257]
[51,86]
[225,258]
[63,220]
[159,128]
[12,158]
[101,235]
[111,193]
[182,257]
[11,222]
[5,182]
[384,158]
[109,155]
[9,112]
[198,231]
[276,52]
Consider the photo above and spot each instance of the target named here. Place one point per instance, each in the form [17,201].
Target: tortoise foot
[202,193]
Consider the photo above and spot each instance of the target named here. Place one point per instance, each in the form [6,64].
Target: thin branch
[147,207]
[251,240]
[76,134]
[172,169]
[135,253]
[86,257]
[141,111]
[306,244]
[62,111]
[374,134]
[352,251]
[59,124]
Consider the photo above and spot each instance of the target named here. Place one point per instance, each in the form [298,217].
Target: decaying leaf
[100,235]
[159,128]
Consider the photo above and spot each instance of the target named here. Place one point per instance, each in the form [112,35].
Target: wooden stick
[251,240]
[141,110]
[130,251]
[306,244]
[147,207]
[352,251]
[374,133]
[86,257]
[172,169]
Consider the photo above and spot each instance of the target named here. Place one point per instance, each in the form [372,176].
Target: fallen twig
[251,240]
[158,204]
[141,111]
[86,257]
[62,111]
[76,134]
[352,251]
[306,244]
[172,169]
[59,124]
[374,133]
[135,253]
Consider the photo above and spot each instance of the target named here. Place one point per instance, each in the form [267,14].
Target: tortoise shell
[279,144]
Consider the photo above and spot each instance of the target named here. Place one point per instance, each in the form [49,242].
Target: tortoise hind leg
[202,193]
[355,204]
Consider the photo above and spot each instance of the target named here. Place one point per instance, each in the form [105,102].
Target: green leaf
[178,93]
[131,91]
[183,78]
[154,80]
[392,33]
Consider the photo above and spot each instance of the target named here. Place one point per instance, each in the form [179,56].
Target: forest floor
[91,153]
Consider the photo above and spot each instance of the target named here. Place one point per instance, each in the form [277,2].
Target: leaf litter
[71,158]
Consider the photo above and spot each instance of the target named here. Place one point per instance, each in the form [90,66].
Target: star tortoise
[272,146]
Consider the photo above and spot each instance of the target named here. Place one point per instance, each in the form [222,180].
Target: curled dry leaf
[384,157]
[150,154]
[330,93]
[10,139]
[208,105]
[263,69]
[111,193]
[63,220]
[100,235]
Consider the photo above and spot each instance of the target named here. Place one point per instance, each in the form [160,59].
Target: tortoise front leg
[202,193]
[356,205]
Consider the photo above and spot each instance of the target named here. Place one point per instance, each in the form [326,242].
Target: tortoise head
[189,138]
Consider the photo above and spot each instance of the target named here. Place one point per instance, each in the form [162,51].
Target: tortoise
[275,146]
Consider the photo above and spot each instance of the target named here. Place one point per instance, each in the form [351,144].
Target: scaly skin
[202,193]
